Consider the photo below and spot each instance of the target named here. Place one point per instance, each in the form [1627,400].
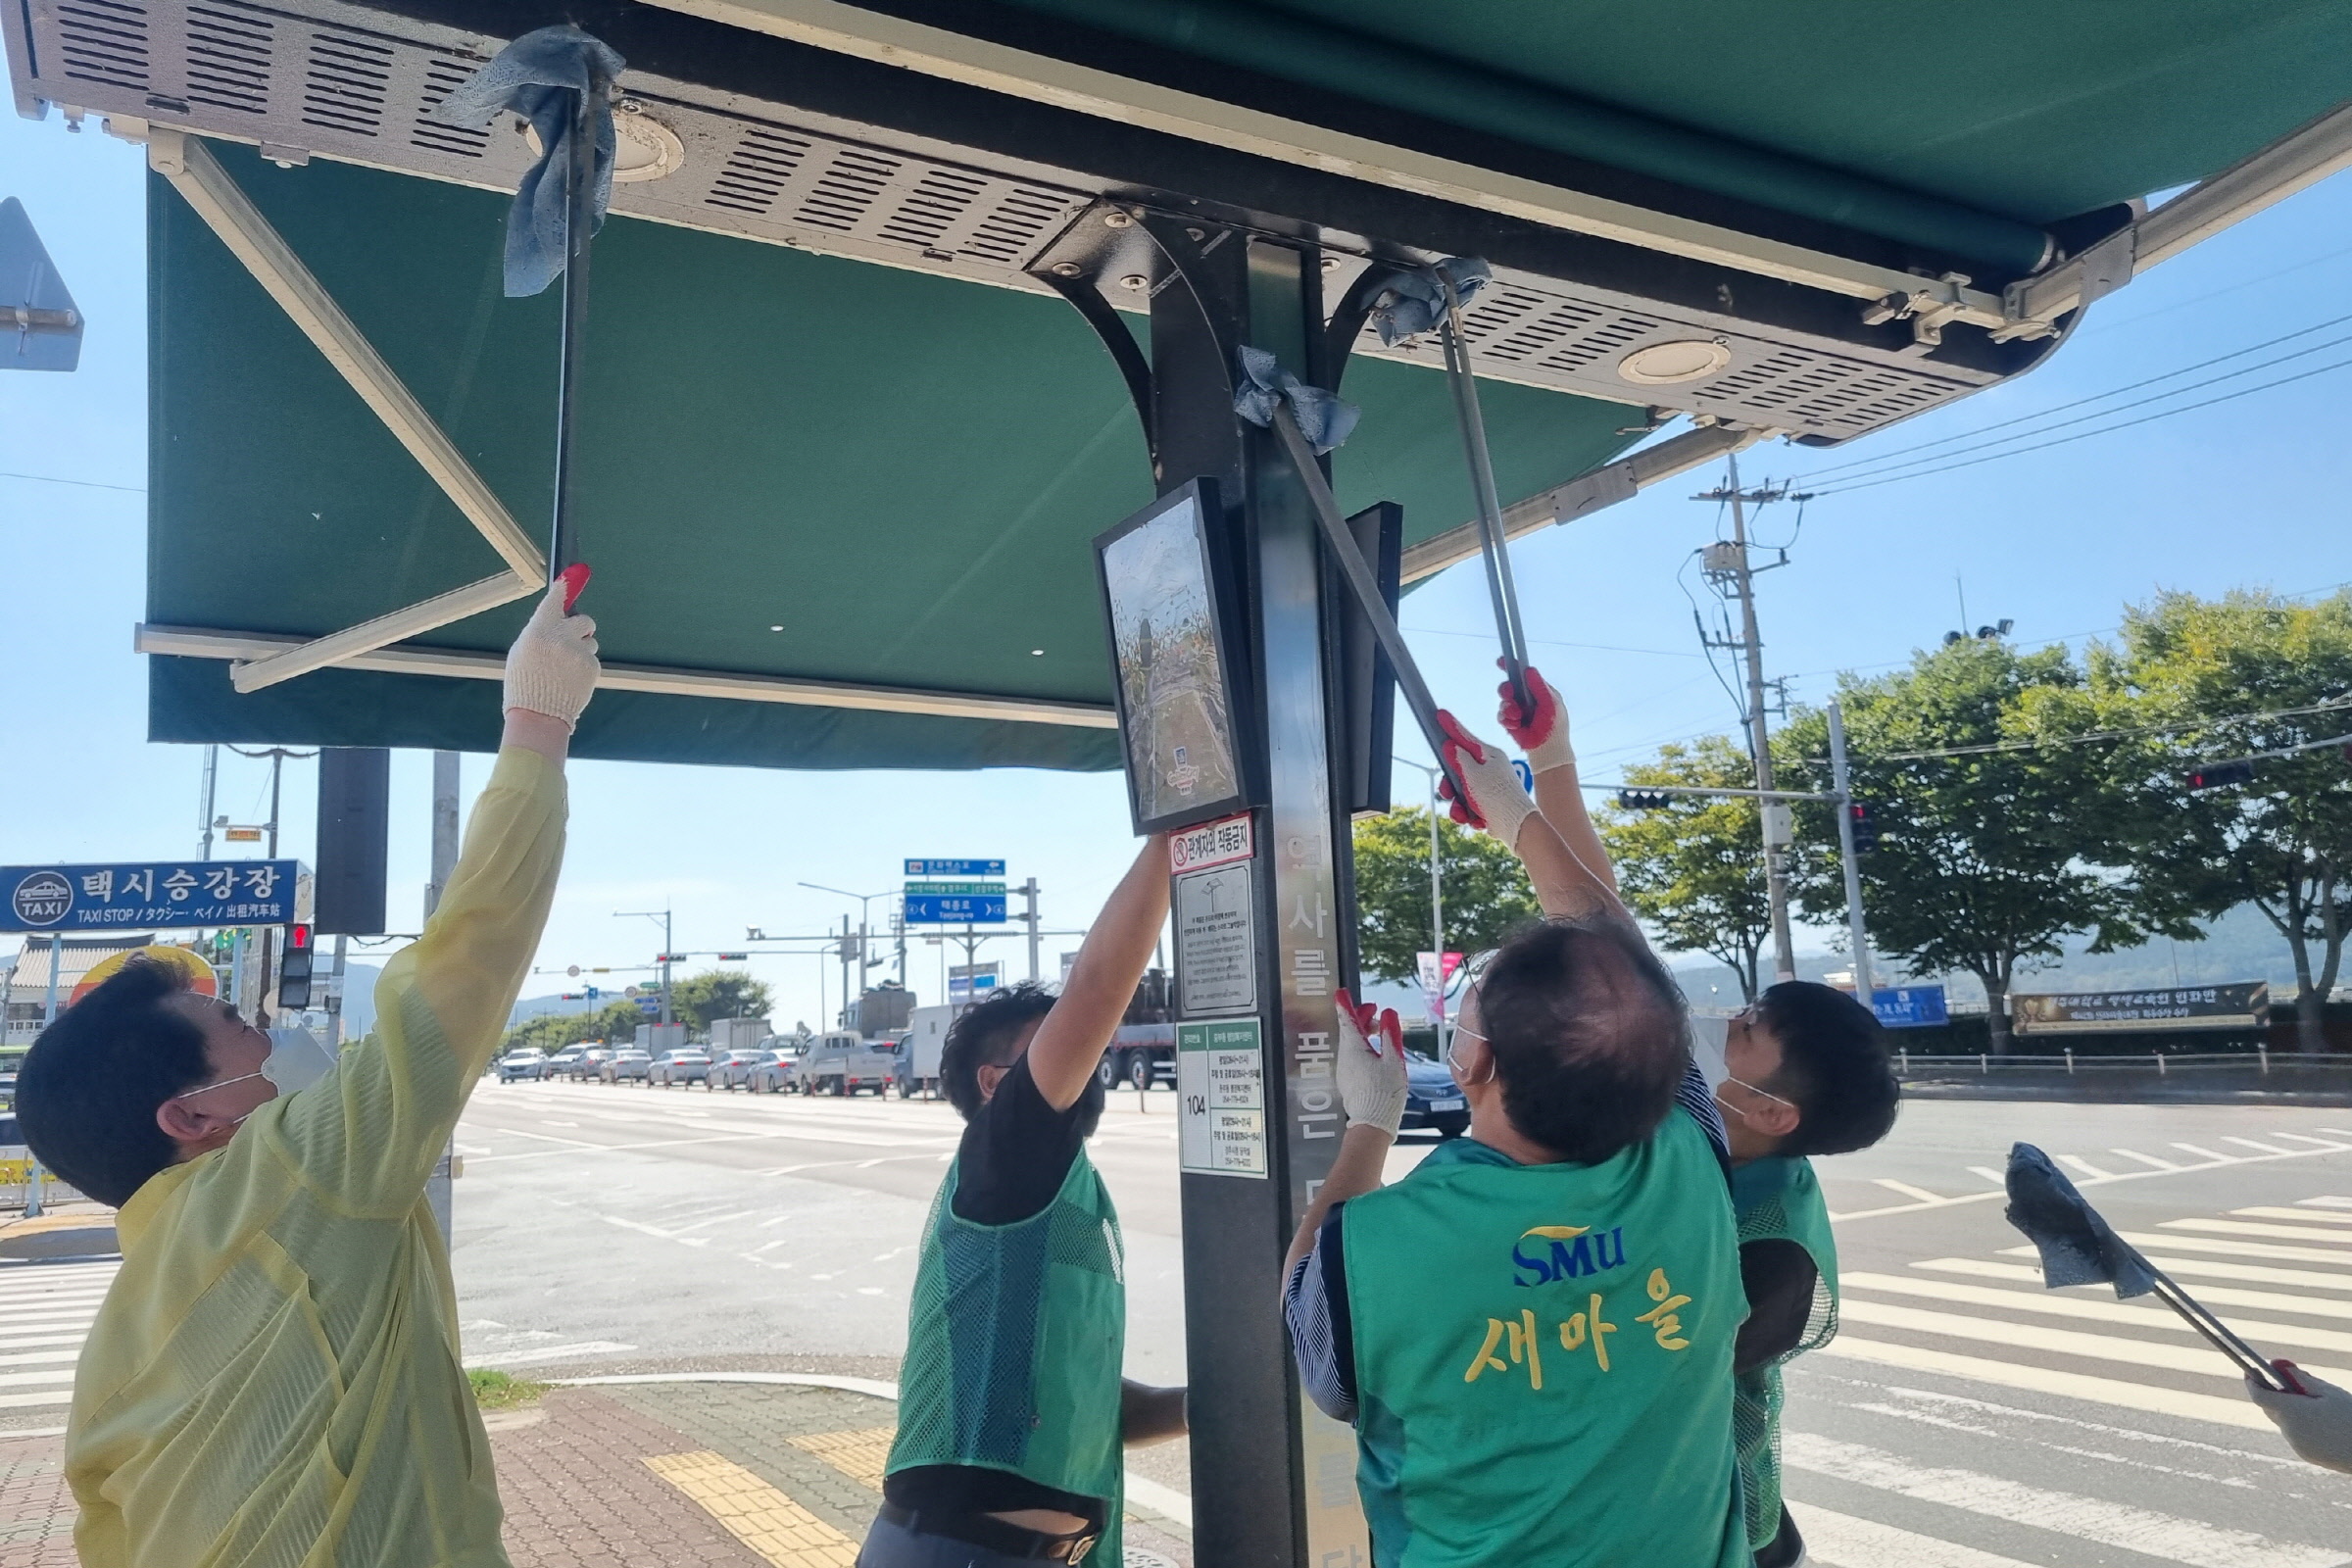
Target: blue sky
[2248,493]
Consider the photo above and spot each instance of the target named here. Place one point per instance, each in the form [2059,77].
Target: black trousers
[1786,1549]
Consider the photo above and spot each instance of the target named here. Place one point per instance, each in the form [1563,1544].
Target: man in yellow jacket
[274,1379]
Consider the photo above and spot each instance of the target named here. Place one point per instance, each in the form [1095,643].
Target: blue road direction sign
[148,895]
[955,908]
[1910,1006]
[651,1006]
[954,868]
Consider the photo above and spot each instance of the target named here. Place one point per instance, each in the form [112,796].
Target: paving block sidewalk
[655,1475]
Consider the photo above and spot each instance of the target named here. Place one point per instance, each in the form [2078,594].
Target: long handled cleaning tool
[1493,548]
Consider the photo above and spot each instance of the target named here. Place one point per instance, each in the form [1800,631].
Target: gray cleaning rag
[2076,1245]
[1260,384]
[539,76]
[1411,303]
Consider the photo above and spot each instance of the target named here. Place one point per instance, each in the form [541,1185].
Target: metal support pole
[334,995]
[32,1164]
[579,230]
[1028,890]
[1841,780]
[669,951]
[262,999]
[1776,816]
[444,866]
[211,773]
[1437,907]
[1258,1446]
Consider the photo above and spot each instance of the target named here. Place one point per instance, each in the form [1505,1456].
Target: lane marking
[2328,1202]
[2196,1361]
[2239,1226]
[2302,1216]
[1989,1174]
[1908,1191]
[2209,1155]
[2306,1138]
[2088,1168]
[2144,1396]
[552,1352]
[765,1520]
[2111,1524]
[715,1219]
[1840,1541]
[860,1454]
[2248,1142]
[2222,1294]
[2212,1161]
[2221,1249]
[2053,1304]
[2146,1160]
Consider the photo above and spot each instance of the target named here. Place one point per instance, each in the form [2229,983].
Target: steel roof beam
[207,642]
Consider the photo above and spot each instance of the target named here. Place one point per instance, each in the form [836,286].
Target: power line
[1876,459]
[2084,435]
[86,484]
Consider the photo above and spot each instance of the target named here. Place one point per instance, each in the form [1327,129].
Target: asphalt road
[1963,1417]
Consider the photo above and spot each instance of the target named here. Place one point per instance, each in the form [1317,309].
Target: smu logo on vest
[1547,1253]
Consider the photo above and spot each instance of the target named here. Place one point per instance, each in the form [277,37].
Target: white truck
[843,1063]
[918,1057]
[738,1034]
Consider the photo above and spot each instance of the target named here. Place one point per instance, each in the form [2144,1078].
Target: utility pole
[32,1164]
[212,774]
[1729,566]
[845,970]
[1841,780]
[1028,891]
[443,866]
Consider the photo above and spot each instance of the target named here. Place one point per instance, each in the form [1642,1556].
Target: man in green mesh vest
[1805,1071]
[1533,1331]
[1013,1414]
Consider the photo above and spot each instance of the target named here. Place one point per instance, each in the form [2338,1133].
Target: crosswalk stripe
[2146,1160]
[28,1341]
[2302,1216]
[40,1358]
[1840,1541]
[2250,1143]
[17,1380]
[2329,1202]
[2126,1396]
[2255,1227]
[1989,1174]
[2207,1154]
[2211,1295]
[2110,1524]
[19,1401]
[2199,1359]
[2054,1304]
[2306,1138]
[2086,1167]
[43,1303]
[2221,1249]
[1907,1190]
[31,1325]
[2206,1268]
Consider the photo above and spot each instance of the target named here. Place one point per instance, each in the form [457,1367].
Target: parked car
[732,1069]
[526,1062]
[692,1065]
[625,1065]
[1433,1101]
[591,1064]
[565,1063]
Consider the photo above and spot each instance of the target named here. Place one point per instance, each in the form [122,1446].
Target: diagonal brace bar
[337,647]
[231,214]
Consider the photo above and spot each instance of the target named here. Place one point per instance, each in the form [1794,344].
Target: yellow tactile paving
[756,1513]
[859,1454]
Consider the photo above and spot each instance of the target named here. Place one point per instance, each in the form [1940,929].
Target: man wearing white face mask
[274,1378]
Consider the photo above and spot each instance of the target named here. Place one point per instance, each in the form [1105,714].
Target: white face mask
[1710,1039]
[296,1060]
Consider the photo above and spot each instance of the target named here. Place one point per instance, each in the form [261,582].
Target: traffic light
[1866,826]
[294,970]
[1644,799]
[2214,775]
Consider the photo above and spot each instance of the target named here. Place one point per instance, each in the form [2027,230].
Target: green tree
[1485,890]
[1695,869]
[1993,826]
[2196,681]
[714,994]
[553,1031]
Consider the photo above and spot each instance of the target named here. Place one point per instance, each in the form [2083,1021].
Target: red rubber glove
[1371,1065]
[1496,803]
[1544,734]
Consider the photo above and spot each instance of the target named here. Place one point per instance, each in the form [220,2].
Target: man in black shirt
[1012,1412]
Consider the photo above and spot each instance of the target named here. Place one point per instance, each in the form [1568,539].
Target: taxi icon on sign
[42,899]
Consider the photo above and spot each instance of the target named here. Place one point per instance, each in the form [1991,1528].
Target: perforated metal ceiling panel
[320,78]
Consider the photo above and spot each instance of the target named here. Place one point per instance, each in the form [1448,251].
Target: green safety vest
[1778,1200]
[1014,1343]
[1544,1359]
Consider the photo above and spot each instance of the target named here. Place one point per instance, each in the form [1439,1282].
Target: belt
[996,1535]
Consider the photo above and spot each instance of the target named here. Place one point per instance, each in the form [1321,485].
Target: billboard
[2244,1005]
[150,895]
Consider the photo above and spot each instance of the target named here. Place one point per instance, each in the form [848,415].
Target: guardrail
[2261,1063]
[54,1189]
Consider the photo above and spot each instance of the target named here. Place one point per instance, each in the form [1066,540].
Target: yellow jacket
[274,1378]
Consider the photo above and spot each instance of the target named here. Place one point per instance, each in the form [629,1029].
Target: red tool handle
[573,577]
[2286,1371]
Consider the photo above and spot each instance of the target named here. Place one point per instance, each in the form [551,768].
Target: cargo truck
[1144,1050]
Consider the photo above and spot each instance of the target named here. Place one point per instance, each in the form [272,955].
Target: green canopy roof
[902,472]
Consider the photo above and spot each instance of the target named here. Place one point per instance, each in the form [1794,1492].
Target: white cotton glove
[2318,1423]
[552,667]
[1495,800]
[1541,735]
[1371,1065]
